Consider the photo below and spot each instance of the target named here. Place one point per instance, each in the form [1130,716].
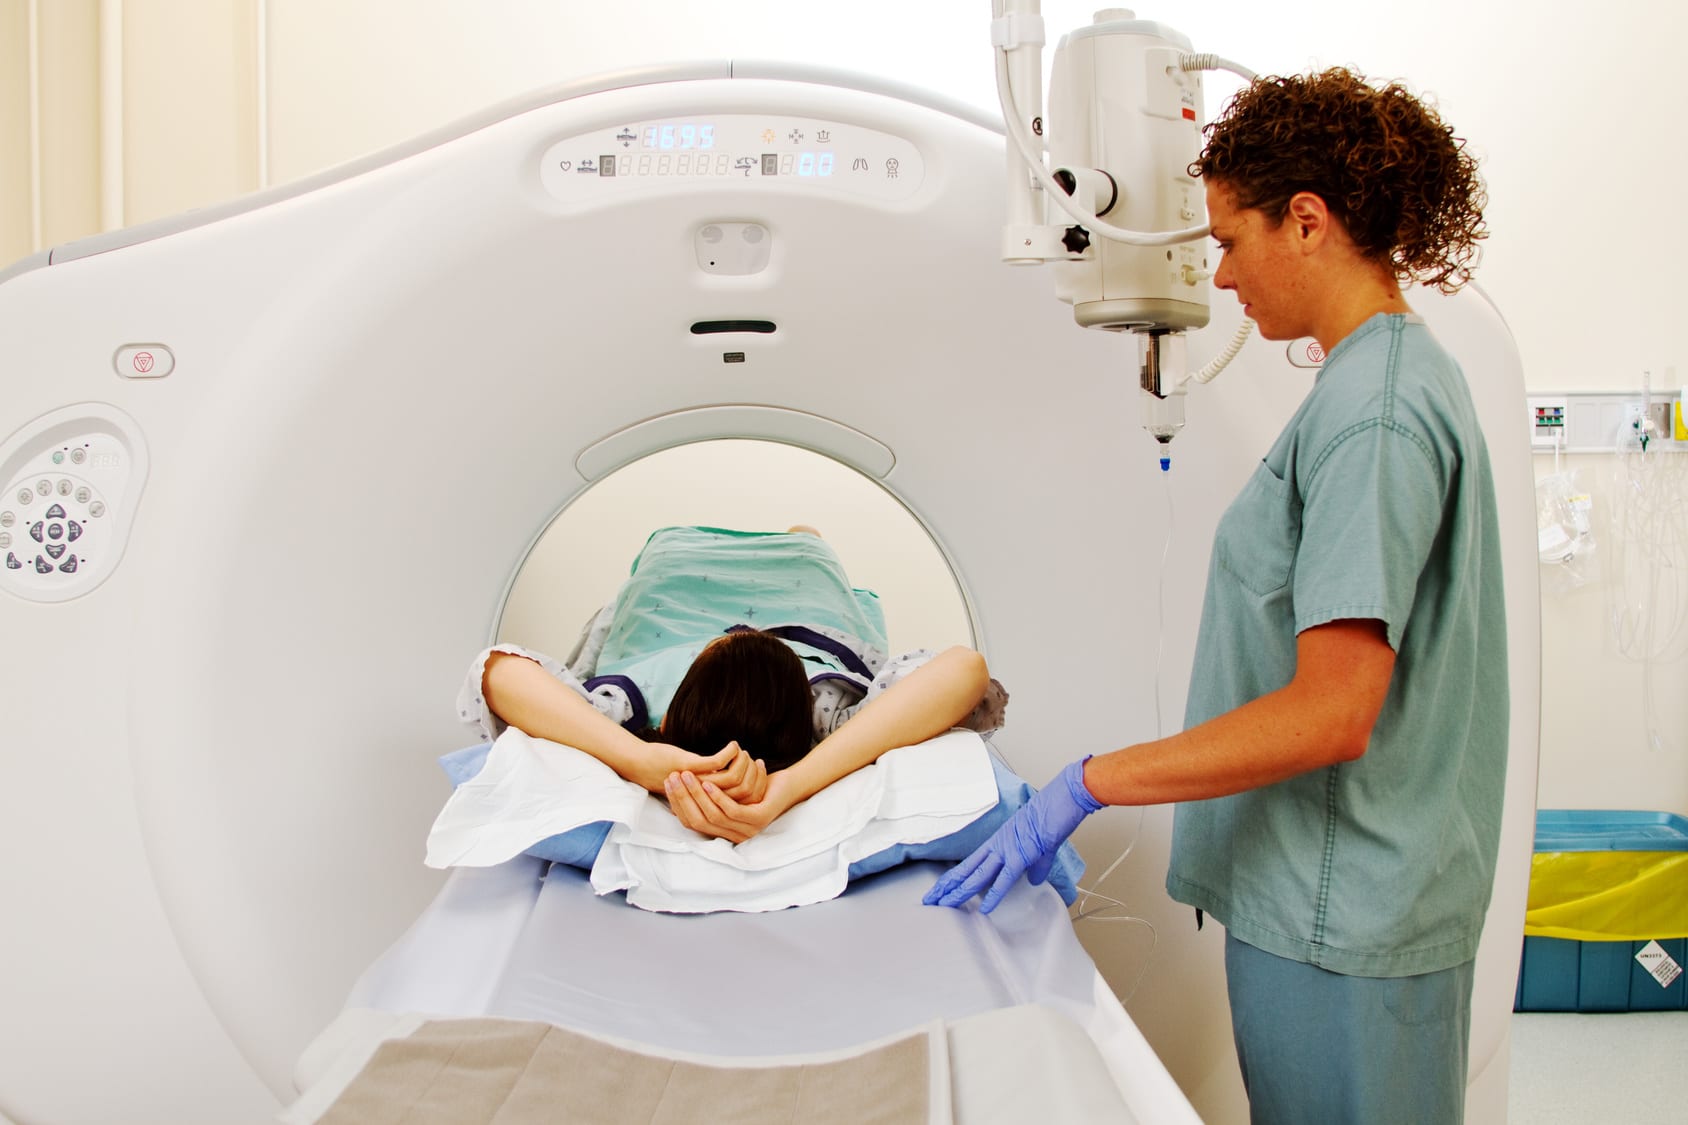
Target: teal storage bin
[1562,975]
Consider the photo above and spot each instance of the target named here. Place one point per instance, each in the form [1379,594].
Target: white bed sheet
[526,941]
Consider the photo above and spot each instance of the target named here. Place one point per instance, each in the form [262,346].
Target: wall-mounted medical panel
[1603,422]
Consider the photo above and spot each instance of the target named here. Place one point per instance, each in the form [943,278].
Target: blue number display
[814,164]
[682,135]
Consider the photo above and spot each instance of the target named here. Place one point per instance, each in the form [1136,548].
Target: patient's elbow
[970,669]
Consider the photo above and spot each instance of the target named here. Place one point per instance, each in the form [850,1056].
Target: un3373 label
[1659,964]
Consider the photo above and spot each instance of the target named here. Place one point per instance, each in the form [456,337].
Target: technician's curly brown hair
[1384,162]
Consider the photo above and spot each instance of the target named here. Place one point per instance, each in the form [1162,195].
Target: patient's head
[746,687]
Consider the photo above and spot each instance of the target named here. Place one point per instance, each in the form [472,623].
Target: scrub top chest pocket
[1259,533]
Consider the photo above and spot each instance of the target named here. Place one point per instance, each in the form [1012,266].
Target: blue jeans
[1320,1048]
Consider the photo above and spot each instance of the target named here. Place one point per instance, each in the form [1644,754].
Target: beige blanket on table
[1007,1066]
[510,1072]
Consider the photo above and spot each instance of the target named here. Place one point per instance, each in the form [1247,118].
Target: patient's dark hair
[748,688]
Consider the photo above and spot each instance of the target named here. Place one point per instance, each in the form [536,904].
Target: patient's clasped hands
[729,795]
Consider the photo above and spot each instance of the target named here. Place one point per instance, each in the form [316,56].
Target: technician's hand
[1026,844]
[703,807]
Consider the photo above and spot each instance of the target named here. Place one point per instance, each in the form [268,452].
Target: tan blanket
[507,1072]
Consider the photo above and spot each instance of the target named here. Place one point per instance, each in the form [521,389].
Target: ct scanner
[309,437]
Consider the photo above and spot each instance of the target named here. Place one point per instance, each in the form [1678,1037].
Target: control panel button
[44,487]
[36,531]
[65,487]
[55,550]
[5,540]
[144,361]
[55,512]
[73,530]
[82,495]
[55,531]
[69,565]
[42,566]
[7,519]
[26,495]
[12,562]
[77,456]
[96,509]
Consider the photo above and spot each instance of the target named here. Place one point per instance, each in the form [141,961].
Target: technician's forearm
[1260,743]
[1324,716]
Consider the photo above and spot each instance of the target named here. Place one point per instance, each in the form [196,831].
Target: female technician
[1342,764]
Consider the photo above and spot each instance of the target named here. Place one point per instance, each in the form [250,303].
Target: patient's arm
[928,701]
[535,702]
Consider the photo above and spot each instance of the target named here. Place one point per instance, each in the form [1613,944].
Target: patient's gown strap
[605,687]
[847,655]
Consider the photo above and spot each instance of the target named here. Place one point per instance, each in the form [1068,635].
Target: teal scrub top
[691,584]
[1376,502]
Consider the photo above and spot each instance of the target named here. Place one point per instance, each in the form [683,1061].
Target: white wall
[1615,628]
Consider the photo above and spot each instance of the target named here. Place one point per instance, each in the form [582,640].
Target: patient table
[531,941]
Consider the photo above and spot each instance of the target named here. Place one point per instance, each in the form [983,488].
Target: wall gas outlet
[1547,420]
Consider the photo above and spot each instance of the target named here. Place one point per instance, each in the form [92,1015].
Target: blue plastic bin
[1560,975]
[1605,830]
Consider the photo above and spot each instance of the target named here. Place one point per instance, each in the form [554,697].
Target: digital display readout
[812,165]
[679,136]
[769,149]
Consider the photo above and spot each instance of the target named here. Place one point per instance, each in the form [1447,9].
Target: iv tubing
[1088,895]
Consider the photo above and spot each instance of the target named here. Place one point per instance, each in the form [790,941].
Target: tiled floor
[1570,1068]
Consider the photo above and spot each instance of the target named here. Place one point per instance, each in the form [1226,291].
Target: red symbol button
[1315,353]
[143,362]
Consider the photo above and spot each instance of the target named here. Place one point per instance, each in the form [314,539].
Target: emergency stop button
[144,361]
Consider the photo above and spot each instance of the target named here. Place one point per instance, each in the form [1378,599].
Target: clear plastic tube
[1092,905]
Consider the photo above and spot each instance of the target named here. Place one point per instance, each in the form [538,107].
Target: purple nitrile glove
[1026,844]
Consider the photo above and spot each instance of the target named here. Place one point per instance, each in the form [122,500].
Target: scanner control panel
[71,479]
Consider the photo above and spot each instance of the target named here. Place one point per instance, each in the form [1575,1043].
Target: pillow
[579,847]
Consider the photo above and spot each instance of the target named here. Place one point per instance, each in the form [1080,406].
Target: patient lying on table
[737,674]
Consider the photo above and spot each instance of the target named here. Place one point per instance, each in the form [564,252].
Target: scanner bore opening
[578,562]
